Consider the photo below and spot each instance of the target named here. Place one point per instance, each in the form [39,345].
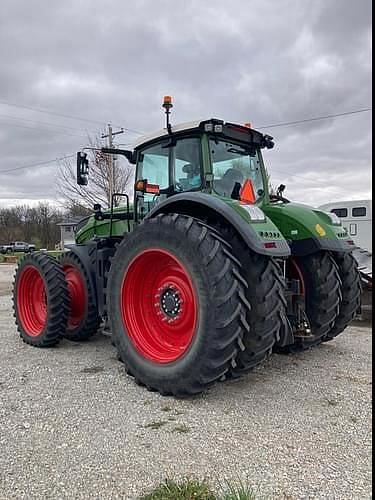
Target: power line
[317,118]
[45,130]
[63,115]
[68,127]
[39,164]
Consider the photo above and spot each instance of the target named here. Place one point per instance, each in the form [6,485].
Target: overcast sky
[264,61]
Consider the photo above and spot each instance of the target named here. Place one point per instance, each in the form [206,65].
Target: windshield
[236,168]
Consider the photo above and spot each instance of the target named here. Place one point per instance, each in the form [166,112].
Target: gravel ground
[73,425]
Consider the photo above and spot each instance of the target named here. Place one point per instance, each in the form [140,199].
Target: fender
[198,204]
[312,245]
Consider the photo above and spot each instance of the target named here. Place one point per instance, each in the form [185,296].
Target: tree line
[37,225]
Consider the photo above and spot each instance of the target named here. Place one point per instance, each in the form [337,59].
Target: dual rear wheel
[53,299]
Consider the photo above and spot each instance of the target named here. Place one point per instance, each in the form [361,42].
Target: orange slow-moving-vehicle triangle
[247,193]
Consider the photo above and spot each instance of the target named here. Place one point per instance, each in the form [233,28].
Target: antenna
[168,105]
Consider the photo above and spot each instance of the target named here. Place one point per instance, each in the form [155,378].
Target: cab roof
[214,126]
[182,127]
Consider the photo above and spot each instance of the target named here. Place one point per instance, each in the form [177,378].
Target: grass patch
[19,255]
[184,490]
[191,489]
[238,491]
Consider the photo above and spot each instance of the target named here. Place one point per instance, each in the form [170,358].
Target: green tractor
[202,273]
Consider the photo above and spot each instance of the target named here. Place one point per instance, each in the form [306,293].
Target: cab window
[153,165]
[233,167]
[187,165]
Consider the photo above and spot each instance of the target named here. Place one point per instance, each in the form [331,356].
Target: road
[73,425]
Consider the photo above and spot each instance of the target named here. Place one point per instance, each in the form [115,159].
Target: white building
[68,230]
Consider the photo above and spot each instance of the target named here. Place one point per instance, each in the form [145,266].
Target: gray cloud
[263,61]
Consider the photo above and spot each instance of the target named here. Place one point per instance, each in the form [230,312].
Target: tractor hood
[307,229]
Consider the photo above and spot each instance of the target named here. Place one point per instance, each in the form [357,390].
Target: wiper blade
[242,152]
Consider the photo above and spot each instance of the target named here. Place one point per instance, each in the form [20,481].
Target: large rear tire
[321,286]
[40,300]
[351,290]
[176,302]
[83,319]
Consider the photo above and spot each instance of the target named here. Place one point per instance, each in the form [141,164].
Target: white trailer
[356,217]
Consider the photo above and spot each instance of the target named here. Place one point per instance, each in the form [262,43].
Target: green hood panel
[299,223]
[92,227]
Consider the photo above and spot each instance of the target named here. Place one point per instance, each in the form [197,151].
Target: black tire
[221,304]
[323,296]
[351,290]
[40,286]
[267,313]
[89,321]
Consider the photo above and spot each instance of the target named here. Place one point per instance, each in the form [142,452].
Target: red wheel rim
[32,301]
[77,295]
[159,306]
[294,272]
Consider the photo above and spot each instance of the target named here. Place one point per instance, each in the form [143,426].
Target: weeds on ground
[238,492]
[199,490]
[184,490]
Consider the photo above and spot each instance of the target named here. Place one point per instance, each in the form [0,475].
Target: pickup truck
[17,246]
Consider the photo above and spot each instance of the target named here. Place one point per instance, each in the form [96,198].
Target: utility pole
[112,160]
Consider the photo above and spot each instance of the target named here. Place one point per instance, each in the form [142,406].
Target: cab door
[153,166]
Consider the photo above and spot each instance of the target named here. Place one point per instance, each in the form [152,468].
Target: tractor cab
[211,156]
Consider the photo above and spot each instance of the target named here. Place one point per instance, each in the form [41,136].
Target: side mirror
[82,169]
[280,190]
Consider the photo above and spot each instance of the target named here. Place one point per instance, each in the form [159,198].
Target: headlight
[335,219]
[255,213]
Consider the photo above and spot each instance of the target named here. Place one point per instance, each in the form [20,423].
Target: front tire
[40,300]
[351,290]
[321,287]
[176,305]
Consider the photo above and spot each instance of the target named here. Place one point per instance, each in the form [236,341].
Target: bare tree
[99,187]
[36,225]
